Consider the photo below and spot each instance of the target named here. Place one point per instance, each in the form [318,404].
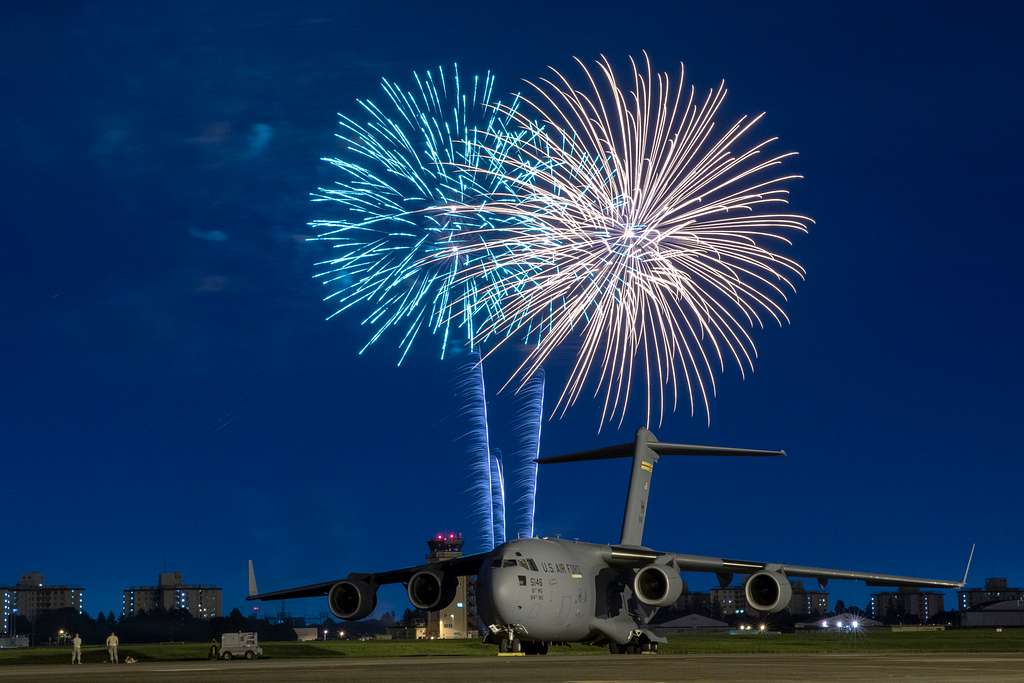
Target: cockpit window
[508,563]
[533,565]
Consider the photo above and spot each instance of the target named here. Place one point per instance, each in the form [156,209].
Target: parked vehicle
[241,644]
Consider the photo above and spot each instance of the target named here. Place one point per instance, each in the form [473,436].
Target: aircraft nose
[507,597]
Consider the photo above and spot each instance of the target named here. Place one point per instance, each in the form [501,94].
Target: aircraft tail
[645,451]
[252,581]
[967,570]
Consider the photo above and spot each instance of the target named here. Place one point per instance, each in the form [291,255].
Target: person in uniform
[76,649]
[112,643]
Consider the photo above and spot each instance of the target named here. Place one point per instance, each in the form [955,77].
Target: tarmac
[571,669]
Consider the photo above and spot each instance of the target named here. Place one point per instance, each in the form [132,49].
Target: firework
[650,234]
[498,496]
[526,428]
[399,162]
[472,393]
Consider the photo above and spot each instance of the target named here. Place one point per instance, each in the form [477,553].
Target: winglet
[967,571]
[252,581]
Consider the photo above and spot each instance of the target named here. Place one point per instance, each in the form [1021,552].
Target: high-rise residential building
[452,621]
[7,606]
[171,593]
[733,600]
[730,600]
[812,602]
[906,602]
[694,602]
[31,596]
[995,590]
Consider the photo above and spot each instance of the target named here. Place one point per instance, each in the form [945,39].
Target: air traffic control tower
[453,620]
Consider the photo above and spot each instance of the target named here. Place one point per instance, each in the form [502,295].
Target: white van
[241,644]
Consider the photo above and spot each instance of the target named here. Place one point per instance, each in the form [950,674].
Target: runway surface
[576,669]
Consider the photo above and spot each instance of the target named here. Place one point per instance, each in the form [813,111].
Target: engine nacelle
[768,591]
[352,599]
[431,589]
[657,585]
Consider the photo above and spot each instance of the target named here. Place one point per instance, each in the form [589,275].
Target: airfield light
[762,627]
[840,624]
[855,624]
[824,624]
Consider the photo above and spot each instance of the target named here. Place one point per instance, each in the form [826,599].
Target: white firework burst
[649,233]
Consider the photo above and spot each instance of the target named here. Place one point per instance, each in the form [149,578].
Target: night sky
[173,398]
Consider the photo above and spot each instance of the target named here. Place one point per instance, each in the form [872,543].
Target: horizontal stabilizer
[645,451]
[627,450]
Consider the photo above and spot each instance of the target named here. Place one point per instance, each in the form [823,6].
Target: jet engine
[657,585]
[352,599]
[431,589]
[768,591]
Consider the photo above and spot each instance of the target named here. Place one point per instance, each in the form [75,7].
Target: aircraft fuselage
[558,590]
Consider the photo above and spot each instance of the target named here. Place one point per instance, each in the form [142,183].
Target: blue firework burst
[402,161]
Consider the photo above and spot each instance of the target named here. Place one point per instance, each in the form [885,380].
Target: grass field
[881,641]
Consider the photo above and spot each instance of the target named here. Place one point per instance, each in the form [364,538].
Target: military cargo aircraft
[536,591]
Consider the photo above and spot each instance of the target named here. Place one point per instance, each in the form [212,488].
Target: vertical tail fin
[967,570]
[252,581]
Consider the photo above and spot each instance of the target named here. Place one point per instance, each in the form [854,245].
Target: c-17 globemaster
[535,591]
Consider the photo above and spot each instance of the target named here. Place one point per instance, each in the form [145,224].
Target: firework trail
[526,430]
[654,235]
[469,386]
[401,160]
[498,495]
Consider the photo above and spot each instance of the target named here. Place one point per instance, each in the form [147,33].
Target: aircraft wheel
[503,645]
[517,645]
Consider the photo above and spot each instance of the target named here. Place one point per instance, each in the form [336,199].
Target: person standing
[112,643]
[76,649]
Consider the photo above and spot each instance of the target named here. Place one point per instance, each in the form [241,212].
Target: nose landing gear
[510,641]
[510,646]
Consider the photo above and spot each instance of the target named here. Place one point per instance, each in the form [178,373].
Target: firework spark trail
[399,162]
[472,393]
[646,233]
[526,429]
[498,495]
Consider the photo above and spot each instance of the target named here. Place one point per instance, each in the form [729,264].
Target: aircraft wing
[466,565]
[726,568]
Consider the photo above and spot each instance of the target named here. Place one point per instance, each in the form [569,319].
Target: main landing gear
[634,648]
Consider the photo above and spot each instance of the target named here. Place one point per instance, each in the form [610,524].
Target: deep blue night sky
[173,397]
